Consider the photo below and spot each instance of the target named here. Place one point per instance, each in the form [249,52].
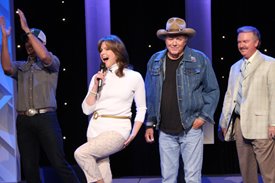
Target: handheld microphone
[102,68]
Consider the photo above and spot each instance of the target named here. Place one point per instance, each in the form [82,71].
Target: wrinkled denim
[187,144]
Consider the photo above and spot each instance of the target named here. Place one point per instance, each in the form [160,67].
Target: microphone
[102,69]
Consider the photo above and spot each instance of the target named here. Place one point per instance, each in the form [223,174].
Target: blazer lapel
[255,63]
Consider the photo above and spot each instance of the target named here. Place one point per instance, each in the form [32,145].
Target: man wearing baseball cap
[182,95]
[36,123]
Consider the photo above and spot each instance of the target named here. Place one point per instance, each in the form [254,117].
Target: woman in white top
[110,96]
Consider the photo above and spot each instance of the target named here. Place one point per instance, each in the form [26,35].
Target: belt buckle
[31,112]
[95,115]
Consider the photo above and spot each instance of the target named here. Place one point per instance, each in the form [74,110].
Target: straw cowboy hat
[175,26]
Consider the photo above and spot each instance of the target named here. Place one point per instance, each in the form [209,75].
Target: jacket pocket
[261,113]
[191,71]
[156,70]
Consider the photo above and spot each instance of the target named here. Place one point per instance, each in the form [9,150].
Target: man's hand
[149,135]
[2,20]
[5,32]
[198,123]
[271,132]
[23,21]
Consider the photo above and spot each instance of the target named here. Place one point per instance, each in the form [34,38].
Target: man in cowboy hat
[182,94]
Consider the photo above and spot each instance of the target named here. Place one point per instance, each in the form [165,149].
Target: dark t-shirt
[170,117]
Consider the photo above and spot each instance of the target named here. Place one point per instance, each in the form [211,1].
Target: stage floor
[205,179]
[48,175]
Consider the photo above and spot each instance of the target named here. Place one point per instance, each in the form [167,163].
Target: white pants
[93,156]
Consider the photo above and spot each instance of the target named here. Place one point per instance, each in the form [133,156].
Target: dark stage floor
[50,176]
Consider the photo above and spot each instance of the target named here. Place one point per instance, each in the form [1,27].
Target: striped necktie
[239,96]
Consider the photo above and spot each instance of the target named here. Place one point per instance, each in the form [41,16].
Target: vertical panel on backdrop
[9,155]
[98,24]
[201,22]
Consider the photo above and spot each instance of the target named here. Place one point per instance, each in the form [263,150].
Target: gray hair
[252,29]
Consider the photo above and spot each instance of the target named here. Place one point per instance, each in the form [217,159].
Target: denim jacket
[197,88]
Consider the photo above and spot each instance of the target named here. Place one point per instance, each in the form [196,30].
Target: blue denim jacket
[197,88]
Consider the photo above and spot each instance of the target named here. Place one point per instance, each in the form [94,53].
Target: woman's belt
[96,115]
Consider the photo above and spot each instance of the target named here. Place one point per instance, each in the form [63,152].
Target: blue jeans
[188,145]
[42,130]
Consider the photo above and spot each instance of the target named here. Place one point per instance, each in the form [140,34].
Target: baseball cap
[38,33]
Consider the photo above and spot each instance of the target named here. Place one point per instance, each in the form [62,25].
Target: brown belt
[96,115]
[32,112]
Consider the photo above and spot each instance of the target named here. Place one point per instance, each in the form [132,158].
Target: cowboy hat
[175,26]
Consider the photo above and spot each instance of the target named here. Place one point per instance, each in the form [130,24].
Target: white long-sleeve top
[116,98]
